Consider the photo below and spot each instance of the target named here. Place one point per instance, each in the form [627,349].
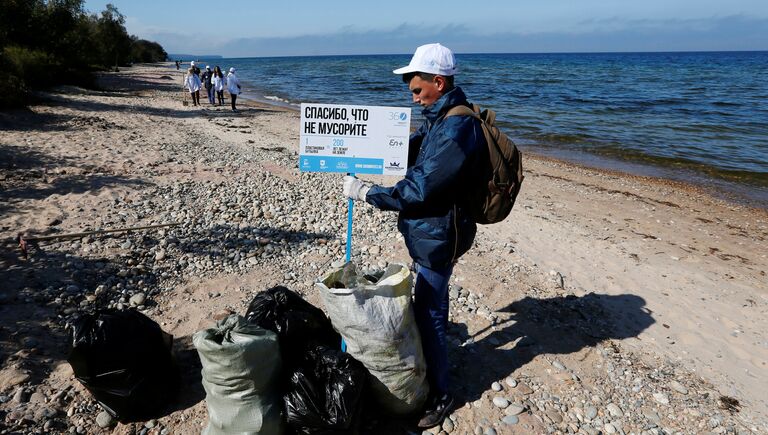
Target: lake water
[698,117]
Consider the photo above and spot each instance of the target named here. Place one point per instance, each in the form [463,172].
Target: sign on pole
[354,139]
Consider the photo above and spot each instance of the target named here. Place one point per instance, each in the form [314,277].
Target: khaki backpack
[494,194]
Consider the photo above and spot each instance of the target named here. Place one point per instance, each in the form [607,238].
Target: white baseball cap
[431,59]
[232,69]
[207,67]
[192,63]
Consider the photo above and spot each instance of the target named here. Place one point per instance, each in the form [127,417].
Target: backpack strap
[464,111]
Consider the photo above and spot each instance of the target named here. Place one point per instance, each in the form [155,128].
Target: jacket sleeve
[432,182]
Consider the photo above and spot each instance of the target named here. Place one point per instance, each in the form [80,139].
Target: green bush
[15,95]
[35,67]
[15,92]
[45,43]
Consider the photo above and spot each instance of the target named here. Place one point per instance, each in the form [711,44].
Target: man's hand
[354,188]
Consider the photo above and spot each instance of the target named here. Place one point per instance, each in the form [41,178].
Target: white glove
[354,188]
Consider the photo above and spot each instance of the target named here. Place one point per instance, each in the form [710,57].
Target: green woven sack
[241,368]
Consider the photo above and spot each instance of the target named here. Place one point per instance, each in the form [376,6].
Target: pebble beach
[605,303]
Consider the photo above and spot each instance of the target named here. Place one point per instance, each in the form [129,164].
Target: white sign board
[356,139]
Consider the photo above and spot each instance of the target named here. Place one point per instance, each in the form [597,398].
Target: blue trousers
[431,310]
[211,95]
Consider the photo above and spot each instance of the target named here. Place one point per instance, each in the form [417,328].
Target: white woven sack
[377,323]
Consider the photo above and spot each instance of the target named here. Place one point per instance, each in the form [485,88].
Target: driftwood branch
[24,241]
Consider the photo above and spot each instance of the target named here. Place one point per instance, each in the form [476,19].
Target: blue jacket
[443,154]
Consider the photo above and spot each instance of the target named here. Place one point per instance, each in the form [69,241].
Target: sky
[240,28]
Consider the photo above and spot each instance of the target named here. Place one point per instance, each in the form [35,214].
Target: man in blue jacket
[444,153]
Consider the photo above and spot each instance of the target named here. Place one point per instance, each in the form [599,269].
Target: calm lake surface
[697,117]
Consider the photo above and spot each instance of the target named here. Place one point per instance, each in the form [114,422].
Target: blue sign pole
[350,209]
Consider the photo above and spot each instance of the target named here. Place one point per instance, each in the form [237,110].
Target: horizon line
[474,53]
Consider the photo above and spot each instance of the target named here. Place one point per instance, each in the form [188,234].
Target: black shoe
[436,410]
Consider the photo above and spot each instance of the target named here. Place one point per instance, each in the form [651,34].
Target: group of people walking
[214,83]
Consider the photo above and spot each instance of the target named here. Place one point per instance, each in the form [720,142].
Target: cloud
[735,32]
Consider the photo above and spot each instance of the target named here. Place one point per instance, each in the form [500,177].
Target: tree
[46,42]
[147,51]
[113,39]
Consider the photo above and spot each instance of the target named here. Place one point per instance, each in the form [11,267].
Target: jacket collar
[453,98]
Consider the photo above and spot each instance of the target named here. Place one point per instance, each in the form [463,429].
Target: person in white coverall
[192,83]
[233,86]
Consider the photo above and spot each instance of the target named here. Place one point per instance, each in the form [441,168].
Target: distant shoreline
[490,53]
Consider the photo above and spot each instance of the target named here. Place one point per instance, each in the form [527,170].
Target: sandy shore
[642,299]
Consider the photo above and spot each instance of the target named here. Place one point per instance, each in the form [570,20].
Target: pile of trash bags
[277,369]
[124,360]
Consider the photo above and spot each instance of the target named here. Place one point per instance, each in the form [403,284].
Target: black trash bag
[325,394]
[124,359]
[299,325]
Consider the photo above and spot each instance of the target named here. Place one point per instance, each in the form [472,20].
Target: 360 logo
[398,116]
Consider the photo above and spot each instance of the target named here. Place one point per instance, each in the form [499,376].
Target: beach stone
[590,412]
[677,386]
[661,398]
[453,293]
[614,410]
[609,428]
[20,396]
[448,425]
[500,402]
[160,255]
[137,299]
[715,421]
[19,415]
[524,389]
[554,416]
[514,409]
[10,377]
[37,398]
[558,365]
[510,420]
[496,386]
[45,413]
[490,431]
[653,417]
[511,382]
[104,419]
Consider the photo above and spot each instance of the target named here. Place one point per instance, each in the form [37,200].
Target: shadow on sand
[554,326]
